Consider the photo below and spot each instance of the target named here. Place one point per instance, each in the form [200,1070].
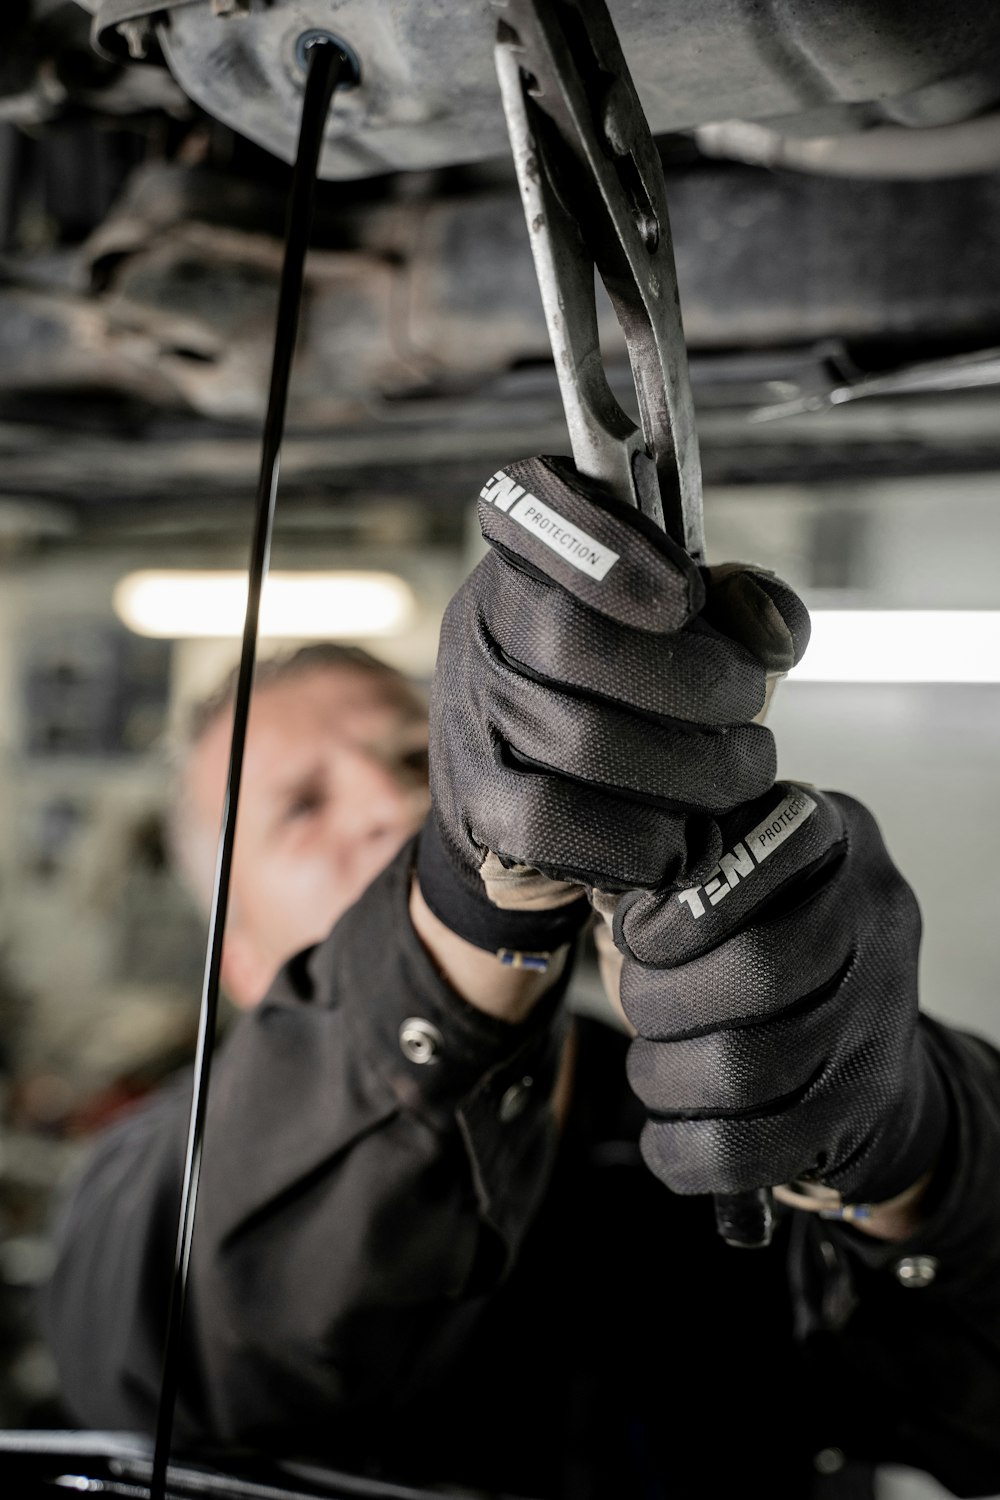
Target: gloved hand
[776,1006]
[591,710]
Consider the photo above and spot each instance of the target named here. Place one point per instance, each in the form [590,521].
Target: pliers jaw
[592,187]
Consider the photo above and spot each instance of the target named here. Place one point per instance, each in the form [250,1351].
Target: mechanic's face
[335,781]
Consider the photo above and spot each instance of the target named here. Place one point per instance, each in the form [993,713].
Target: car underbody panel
[428,96]
[140,244]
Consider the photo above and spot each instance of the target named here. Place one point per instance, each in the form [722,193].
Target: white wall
[925,758]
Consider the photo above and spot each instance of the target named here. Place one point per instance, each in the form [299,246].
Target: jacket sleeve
[906,1335]
[376,1149]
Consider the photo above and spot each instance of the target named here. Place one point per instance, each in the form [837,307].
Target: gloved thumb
[752,606]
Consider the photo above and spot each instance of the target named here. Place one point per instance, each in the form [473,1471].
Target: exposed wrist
[901,1216]
[896,1218]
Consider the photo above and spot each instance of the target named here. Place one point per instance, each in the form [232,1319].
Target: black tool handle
[745,1220]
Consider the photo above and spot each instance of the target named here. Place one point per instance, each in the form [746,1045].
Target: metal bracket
[124,28]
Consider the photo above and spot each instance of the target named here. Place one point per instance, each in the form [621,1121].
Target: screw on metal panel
[311,38]
[829,1461]
[137,36]
[514,1101]
[916,1270]
[420,1040]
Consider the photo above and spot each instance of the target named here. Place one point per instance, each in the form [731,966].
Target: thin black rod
[328,68]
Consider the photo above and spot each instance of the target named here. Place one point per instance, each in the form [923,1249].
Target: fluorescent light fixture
[902,645]
[295,606]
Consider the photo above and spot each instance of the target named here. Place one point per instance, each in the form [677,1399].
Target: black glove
[776,1006]
[586,721]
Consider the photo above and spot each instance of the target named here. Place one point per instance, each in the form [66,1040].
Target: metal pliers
[594,199]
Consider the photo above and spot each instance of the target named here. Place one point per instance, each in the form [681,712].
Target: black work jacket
[402,1267]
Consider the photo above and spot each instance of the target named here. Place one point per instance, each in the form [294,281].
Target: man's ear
[246,971]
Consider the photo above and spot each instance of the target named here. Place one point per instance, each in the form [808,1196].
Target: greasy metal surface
[182,489]
[592,187]
[429,96]
[49,69]
[437,294]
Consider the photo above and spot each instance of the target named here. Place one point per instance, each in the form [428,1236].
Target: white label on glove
[741,861]
[779,825]
[583,551]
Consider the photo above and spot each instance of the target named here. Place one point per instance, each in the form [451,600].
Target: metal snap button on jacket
[916,1270]
[419,1040]
[513,1102]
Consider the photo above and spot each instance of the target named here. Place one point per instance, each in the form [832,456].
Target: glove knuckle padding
[782,1044]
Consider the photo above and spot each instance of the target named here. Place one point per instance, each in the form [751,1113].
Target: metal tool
[329,66]
[595,202]
[956,372]
[592,187]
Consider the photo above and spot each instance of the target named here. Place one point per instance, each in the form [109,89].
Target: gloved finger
[769,1065]
[692,675]
[867,1153]
[838,1083]
[586,835]
[752,977]
[771,847]
[680,767]
[549,520]
[725,1156]
[754,607]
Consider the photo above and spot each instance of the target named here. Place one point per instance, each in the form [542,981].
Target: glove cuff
[461,903]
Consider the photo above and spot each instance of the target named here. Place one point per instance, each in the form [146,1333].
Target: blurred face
[334,782]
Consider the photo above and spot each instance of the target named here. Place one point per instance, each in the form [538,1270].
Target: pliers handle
[594,200]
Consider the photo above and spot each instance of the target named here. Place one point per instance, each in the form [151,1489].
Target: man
[336,782]
[436,1238]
